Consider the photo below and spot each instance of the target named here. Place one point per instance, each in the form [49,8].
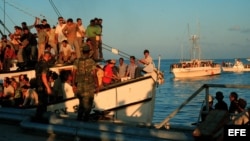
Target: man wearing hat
[84,76]
[109,75]
[221,104]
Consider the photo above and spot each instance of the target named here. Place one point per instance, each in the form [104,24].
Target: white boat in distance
[238,66]
[195,67]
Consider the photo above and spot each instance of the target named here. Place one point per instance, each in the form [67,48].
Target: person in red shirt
[108,73]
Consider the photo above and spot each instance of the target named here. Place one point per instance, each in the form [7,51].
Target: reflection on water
[175,91]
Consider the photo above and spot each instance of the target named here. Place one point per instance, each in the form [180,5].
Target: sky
[161,26]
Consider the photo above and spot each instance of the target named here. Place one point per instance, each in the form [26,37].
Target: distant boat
[248,59]
[195,67]
[238,66]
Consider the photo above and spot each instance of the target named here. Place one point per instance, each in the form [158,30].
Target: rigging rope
[8,16]
[116,51]
[21,10]
[55,9]
[1,32]
[4,26]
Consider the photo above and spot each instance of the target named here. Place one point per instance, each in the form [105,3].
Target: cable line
[116,51]
[55,9]
[8,16]
[21,10]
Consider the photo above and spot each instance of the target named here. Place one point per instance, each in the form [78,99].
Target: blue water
[174,92]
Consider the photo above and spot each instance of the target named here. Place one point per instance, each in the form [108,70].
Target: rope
[8,16]
[118,52]
[5,26]
[12,5]
[20,8]
[1,32]
[55,9]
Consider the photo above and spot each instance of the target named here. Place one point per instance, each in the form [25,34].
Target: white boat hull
[127,101]
[235,69]
[195,72]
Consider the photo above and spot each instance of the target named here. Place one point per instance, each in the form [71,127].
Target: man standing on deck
[93,32]
[70,31]
[43,88]
[84,75]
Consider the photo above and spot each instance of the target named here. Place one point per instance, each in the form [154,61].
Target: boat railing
[203,87]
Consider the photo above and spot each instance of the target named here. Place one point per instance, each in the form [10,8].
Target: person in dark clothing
[84,75]
[29,45]
[233,102]
[204,109]
[43,88]
[221,104]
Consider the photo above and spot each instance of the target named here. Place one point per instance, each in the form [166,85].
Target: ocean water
[174,92]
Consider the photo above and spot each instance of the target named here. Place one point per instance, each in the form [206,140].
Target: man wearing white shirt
[65,52]
[59,36]
[80,34]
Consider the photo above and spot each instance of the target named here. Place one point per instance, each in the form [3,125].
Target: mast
[195,49]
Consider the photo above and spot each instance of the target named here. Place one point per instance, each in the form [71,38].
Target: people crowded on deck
[29,44]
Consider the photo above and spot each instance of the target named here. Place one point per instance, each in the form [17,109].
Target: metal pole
[180,107]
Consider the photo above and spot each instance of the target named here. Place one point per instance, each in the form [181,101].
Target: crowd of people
[64,41]
[239,115]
